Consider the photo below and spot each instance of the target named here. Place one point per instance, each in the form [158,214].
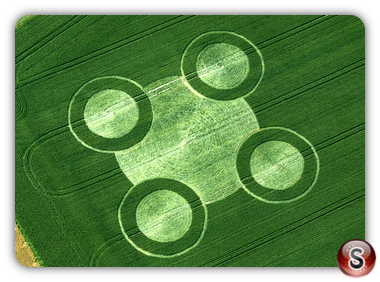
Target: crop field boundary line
[53,34]
[49,37]
[58,31]
[52,209]
[72,189]
[293,31]
[34,180]
[55,215]
[310,86]
[104,50]
[23,106]
[97,254]
[122,43]
[325,211]
[340,137]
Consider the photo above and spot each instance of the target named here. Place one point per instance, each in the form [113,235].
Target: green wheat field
[189,140]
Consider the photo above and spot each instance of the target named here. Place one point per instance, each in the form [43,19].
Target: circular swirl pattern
[98,135]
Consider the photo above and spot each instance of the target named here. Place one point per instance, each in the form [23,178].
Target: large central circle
[222,66]
[163,216]
[111,113]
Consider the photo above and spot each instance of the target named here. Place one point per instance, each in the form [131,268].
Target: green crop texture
[189,140]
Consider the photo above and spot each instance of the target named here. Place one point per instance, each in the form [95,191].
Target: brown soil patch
[22,250]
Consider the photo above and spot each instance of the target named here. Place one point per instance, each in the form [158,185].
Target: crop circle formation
[222,65]
[110,114]
[277,165]
[162,217]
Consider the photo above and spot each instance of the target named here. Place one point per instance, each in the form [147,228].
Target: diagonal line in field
[58,31]
[310,86]
[325,211]
[340,137]
[277,38]
[125,42]
[104,50]
[293,31]
[49,37]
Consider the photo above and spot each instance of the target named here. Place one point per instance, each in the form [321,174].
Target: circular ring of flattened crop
[244,68]
[129,225]
[88,138]
[306,181]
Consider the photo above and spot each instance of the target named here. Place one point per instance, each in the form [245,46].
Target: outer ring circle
[127,237]
[292,199]
[109,145]
[233,90]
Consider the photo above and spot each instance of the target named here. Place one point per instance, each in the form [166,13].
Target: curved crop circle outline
[160,255]
[70,124]
[311,185]
[221,32]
